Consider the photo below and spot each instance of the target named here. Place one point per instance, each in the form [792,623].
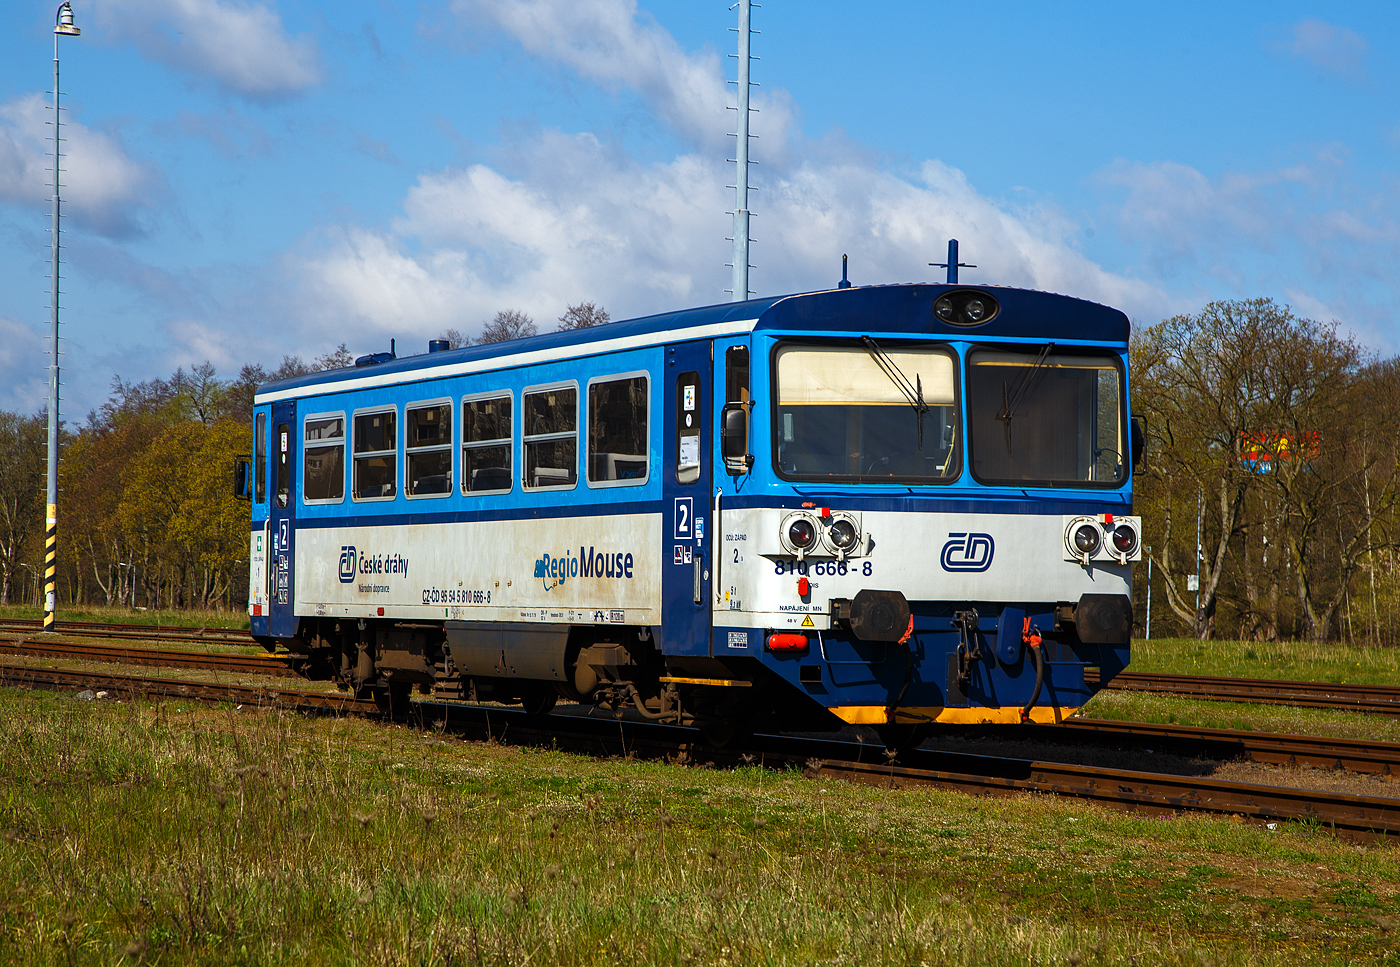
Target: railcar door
[282,622]
[685,581]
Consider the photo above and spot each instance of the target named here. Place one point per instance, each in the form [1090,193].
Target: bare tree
[585,315]
[456,338]
[508,324]
[340,358]
[21,491]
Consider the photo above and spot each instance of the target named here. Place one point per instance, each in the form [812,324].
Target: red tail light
[781,642]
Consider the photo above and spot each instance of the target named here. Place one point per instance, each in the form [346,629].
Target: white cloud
[24,384]
[1328,48]
[577,222]
[103,187]
[611,44]
[242,46]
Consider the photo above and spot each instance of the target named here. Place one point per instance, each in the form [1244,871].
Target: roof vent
[438,345]
[375,358]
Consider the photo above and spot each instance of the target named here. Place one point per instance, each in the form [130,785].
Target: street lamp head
[64,21]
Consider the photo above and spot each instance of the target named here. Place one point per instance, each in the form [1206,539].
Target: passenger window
[284,464]
[550,438]
[486,445]
[617,431]
[688,413]
[323,459]
[428,450]
[260,459]
[376,455]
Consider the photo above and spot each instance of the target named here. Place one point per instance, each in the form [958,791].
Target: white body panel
[257,572]
[505,570]
[927,557]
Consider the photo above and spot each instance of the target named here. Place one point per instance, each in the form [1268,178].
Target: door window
[688,413]
[284,463]
[260,459]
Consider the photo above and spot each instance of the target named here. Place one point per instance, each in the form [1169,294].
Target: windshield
[841,414]
[1045,416]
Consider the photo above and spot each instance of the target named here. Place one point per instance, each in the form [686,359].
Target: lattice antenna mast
[740,290]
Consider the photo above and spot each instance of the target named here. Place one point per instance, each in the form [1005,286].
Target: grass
[175,833]
[1292,660]
[132,616]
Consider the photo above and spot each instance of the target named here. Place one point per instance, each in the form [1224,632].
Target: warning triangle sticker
[807,622]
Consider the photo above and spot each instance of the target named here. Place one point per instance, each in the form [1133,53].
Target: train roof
[1024,313]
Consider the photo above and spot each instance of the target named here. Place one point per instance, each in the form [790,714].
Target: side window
[550,437]
[376,455]
[260,459]
[486,445]
[736,374]
[323,459]
[428,450]
[617,431]
[284,464]
[688,428]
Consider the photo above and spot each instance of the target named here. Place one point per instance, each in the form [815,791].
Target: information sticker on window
[690,397]
[690,451]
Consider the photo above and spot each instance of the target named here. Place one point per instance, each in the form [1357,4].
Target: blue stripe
[941,504]
[454,517]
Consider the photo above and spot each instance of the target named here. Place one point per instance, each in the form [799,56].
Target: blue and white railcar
[890,505]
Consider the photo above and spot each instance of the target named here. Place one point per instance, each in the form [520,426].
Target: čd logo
[967,552]
[347,564]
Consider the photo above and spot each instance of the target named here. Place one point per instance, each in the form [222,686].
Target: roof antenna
[845,283]
[392,354]
[952,265]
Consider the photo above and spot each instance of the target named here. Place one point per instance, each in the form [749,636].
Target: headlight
[975,310]
[843,534]
[943,308]
[1125,539]
[1087,538]
[801,533]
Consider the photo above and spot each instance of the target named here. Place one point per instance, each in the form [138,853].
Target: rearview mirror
[1139,440]
[734,438]
[243,478]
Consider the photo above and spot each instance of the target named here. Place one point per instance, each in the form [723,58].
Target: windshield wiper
[1011,396]
[913,392]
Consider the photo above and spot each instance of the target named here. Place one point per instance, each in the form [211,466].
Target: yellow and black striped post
[50,566]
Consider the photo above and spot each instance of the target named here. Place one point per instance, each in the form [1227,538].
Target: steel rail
[1357,817]
[1382,699]
[101,629]
[35,676]
[1276,748]
[266,664]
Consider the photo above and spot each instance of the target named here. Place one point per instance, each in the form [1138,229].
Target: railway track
[100,629]
[1357,817]
[1381,699]
[264,664]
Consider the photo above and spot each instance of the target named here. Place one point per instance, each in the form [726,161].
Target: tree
[456,338]
[585,315]
[1201,385]
[508,324]
[22,450]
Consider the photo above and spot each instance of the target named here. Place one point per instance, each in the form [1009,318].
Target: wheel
[901,738]
[721,733]
[538,700]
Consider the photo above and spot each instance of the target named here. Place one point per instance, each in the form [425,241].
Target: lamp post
[63,27]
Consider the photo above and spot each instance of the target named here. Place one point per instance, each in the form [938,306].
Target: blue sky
[248,178]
